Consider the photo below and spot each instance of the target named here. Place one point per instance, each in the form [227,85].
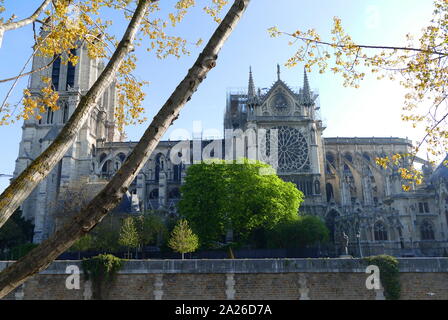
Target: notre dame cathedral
[339,177]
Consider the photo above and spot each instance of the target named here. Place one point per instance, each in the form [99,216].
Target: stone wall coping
[217,266]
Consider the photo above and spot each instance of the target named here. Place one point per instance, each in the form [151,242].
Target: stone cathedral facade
[339,177]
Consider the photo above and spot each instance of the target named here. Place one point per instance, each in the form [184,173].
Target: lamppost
[358,236]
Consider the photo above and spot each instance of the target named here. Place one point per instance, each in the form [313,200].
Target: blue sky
[372,110]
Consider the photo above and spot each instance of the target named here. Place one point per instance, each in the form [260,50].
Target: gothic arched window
[330,192]
[348,157]
[347,170]
[330,161]
[121,156]
[154,194]
[65,113]
[330,158]
[174,194]
[159,166]
[427,230]
[106,167]
[380,231]
[55,73]
[103,157]
[366,156]
[177,172]
[50,115]
[446,216]
[71,72]
[317,187]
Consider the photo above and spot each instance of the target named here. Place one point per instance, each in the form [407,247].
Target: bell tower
[71,82]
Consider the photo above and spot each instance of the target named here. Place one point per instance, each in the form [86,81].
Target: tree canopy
[306,230]
[129,236]
[183,240]
[220,196]
[16,231]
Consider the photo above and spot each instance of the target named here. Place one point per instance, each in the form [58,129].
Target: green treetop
[183,240]
[221,196]
[128,234]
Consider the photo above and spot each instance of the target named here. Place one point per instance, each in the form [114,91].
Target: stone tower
[71,82]
[293,115]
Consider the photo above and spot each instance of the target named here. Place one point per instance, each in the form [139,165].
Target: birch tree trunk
[24,184]
[18,24]
[40,257]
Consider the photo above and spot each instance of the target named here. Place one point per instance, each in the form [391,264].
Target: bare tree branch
[308,40]
[31,72]
[21,23]
[8,94]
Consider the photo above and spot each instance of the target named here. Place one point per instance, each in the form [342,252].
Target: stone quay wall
[249,279]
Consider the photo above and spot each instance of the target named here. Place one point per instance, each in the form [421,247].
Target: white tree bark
[21,23]
[39,258]
[25,183]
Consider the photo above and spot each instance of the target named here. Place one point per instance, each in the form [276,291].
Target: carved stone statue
[345,242]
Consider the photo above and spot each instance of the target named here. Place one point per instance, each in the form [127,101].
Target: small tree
[129,234]
[16,231]
[83,244]
[243,199]
[76,195]
[107,233]
[151,229]
[183,239]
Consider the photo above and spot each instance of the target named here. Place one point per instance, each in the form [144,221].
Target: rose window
[292,149]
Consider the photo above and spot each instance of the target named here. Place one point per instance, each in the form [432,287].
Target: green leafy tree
[101,270]
[16,231]
[389,274]
[104,238]
[22,249]
[221,196]
[129,236]
[151,229]
[305,231]
[182,239]
[106,234]
[84,243]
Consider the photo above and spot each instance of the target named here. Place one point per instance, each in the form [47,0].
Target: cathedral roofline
[161,142]
[367,140]
[329,140]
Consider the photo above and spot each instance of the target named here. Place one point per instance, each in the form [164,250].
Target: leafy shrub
[389,274]
[101,270]
[19,251]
